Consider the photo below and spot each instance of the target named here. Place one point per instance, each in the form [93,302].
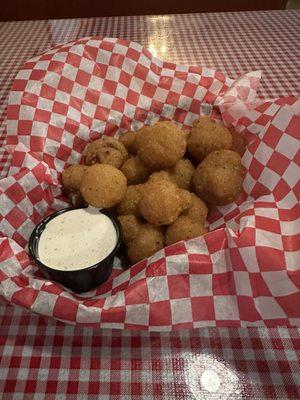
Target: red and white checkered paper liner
[244,272]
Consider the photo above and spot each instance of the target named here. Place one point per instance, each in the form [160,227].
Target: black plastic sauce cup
[81,280]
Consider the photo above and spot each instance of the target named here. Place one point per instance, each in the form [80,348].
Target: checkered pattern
[154,365]
[233,43]
[96,85]
[41,358]
[237,275]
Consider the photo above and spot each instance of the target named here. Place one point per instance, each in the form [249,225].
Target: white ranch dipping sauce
[77,239]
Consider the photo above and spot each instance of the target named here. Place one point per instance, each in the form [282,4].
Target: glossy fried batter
[130,226]
[197,210]
[218,179]
[161,145]
[111,156]
[106,150]
[161,175]
[135,171]
[91,152]
[129,141]
[130,202]
[238,142]
[115,144]
[207,136]
[186,134]
[160,202]
[103,186]
[183,171]
[146,243]
[185,199]
[72,177]
[183,228]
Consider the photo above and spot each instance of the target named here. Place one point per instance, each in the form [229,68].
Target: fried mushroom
[183,228]
[207,136]
[130,202]
[130,226]
[106,150]
[161,145]
[147,242]
[218,179]
[103,186]
[160,202]
[197,210]
[182,172]
[135,171]
[72,177]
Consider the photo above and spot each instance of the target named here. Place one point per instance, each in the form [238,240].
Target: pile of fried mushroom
[160,181]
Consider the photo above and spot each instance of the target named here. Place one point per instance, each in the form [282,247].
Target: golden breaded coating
[218,179]
[115,144]
[238,142]
[91,152]
[186,134]
[130,226]
[161,145]
[103,186]
[161,175]
[183,171]
[146,243]
[183,228]
[129,141]
[160,202]
[207,136]
[185,199]
[197,210]
[106,150]
[111,156]
[130,202]
[72,177]
[135,171]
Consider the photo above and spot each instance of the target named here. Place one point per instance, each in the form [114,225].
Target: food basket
[244,272]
